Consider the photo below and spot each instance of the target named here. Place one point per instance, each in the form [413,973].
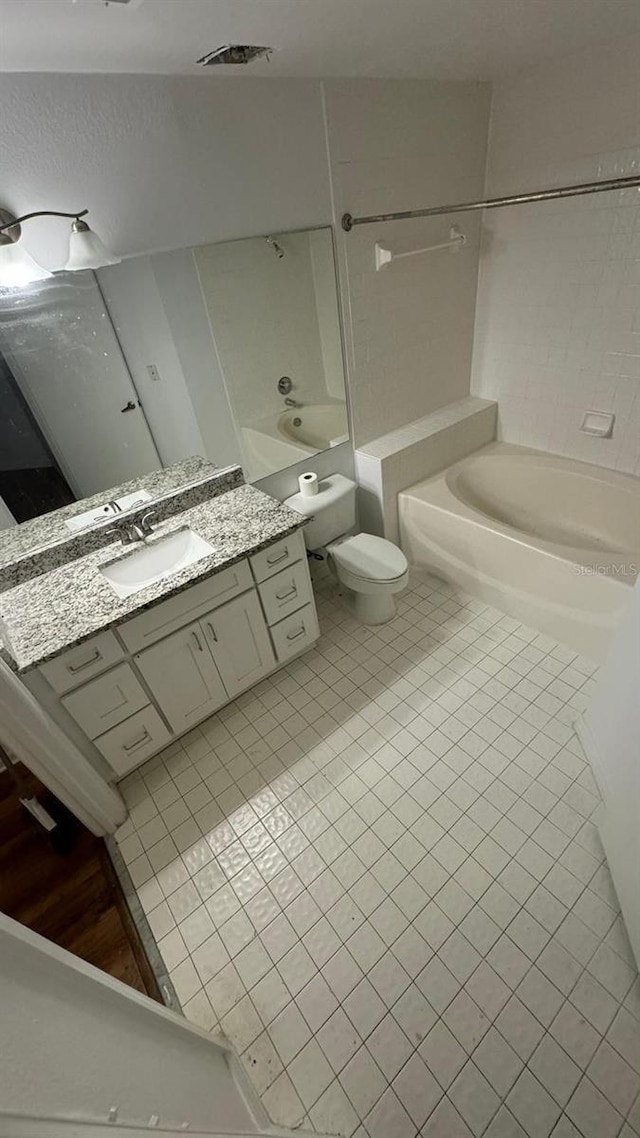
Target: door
[183,677]
[239,641]
[65,357]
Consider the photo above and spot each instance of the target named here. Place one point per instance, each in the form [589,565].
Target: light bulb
[18,268]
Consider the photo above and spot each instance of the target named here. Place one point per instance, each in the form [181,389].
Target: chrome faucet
[145,523]
[130,532]
[292,403]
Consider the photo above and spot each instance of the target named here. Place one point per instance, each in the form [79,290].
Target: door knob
[130,406]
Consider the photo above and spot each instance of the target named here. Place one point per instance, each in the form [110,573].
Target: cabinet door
[239,641]
[183,677]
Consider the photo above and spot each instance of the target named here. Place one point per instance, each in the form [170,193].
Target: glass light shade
[86,250]
[18,268]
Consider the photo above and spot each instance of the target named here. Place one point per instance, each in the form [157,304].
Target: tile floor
[377,873]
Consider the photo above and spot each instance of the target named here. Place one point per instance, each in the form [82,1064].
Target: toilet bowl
[373,570]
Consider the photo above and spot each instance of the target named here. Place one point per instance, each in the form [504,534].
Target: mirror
[230,351]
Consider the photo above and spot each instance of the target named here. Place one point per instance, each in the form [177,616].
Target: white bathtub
[553,542]
[289,436]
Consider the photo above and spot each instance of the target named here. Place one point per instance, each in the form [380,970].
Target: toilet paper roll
[308,484]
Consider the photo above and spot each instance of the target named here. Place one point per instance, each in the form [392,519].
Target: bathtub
[285,437]
[552,542]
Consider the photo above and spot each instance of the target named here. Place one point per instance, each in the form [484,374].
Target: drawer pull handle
[292,592]
[294,635]
[282,557]
[97,655]
[138,742]
[212,631]
[197,641]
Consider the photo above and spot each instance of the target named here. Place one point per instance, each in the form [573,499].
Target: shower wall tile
[400,458]
[558,310]
[398,145]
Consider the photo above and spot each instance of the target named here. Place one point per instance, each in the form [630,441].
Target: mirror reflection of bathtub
[290,436]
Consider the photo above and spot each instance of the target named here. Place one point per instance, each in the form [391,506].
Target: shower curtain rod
[348,221]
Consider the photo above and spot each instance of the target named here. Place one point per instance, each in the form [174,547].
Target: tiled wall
[558,311]
[410,454]
[264,318]
[398,146]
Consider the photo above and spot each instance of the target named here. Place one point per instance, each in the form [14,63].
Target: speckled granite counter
[50,529]
[56,610]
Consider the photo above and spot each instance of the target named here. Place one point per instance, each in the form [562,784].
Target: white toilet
[372,568]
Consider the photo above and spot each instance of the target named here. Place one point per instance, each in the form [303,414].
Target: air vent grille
[234,54]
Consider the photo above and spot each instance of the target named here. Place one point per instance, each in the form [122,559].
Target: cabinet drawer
[102,703]
[288,591]
[129,744]
[295,632]
[168,616]
[79,664]
[278,556]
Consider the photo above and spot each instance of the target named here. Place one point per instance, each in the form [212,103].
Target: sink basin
[150,563]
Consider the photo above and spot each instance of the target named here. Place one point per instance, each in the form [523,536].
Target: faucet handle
[145,522]
[124,531]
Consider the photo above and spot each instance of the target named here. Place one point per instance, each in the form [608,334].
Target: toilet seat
[368,558]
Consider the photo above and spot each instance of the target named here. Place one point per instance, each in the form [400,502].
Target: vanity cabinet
[183,678]
[106,701]
[195,671]
[239,642]
[134,688]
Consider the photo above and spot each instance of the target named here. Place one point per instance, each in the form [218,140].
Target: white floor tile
[472,1096]
[378,871]
[443,1054]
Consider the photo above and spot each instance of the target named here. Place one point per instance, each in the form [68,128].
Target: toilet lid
[373,558]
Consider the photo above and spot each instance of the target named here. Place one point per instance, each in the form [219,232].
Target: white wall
[614,723]
[325,280]
[138,314]
[162,162]
[75,1043]
[263,316]
[558,313]
[177,282]
[398,146]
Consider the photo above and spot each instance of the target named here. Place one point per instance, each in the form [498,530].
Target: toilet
[371,568]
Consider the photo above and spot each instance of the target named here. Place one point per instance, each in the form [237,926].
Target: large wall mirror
[230,351]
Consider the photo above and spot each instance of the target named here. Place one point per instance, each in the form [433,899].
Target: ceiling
[454,39]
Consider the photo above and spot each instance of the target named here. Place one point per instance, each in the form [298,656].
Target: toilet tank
[332,510]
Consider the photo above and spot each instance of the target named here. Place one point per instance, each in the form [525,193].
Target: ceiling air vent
[234,53]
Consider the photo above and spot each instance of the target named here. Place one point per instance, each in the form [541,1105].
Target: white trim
[27,1126]
[120,991]
[29,941]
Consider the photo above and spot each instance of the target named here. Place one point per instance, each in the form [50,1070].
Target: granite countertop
[49,530]
[57,610]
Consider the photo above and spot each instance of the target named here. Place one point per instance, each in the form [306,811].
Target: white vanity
[166,657]
[135,687]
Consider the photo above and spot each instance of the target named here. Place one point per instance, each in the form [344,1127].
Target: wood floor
[73,898]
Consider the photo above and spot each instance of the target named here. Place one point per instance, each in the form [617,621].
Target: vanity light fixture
[17,266]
